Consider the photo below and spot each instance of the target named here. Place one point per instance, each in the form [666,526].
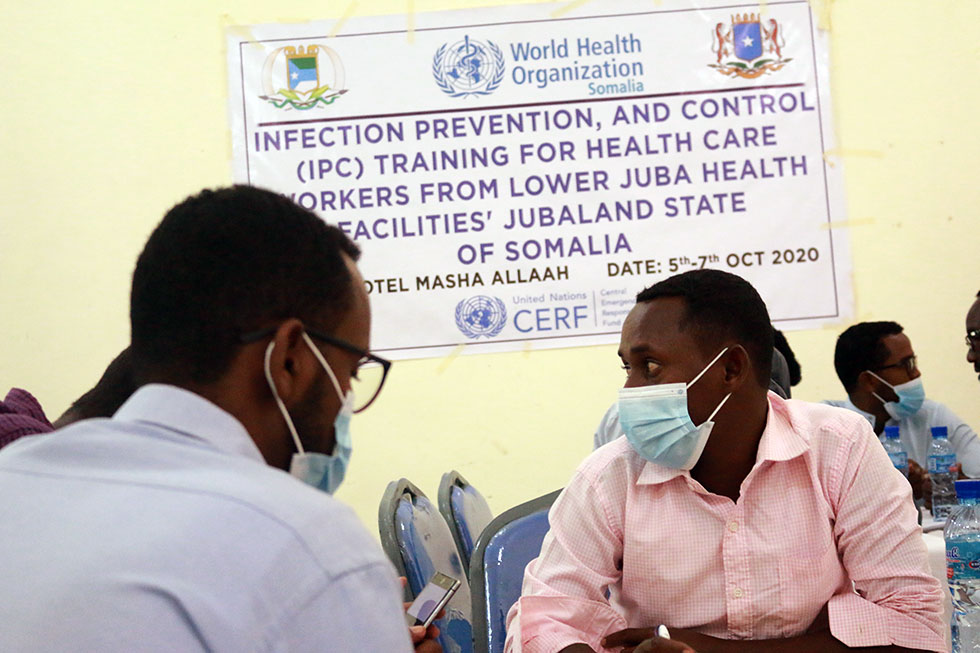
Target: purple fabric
[21,414]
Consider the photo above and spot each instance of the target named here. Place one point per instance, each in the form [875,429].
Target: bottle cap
[939,431]
[891,432]
[968,489]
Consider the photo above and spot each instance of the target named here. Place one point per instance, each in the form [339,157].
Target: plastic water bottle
[895,450]
[962,535]
[941,458]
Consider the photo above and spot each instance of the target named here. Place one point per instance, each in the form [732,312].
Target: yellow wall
[113,111]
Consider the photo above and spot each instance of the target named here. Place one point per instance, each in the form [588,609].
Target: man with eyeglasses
[878,368]
[199,518]
[973,336]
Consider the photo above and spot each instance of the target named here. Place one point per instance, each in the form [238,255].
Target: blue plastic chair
[465,510]
[417,540]
[502,552]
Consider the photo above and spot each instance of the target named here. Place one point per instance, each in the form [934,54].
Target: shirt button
[733,526]
[738,593]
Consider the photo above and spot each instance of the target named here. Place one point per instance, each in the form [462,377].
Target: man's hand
[645,640]
[660,645]
[922,483]
[919,480]
[958,470]
[424,639]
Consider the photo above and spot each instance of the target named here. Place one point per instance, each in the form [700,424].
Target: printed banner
[514,176]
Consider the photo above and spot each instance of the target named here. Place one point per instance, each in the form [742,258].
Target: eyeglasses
[371,372]
[910,365]
[973,338]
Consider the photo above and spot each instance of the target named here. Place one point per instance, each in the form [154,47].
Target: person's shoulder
[932,407]
[202,486]
[816,422]
[320,522]
[608,428]
[612,462]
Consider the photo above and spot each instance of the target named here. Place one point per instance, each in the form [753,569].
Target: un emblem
[481,316]
[468,67]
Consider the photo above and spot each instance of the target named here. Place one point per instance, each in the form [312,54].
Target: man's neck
[869,404]
[731,451]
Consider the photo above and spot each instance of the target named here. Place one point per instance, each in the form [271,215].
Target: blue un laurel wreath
[481,316]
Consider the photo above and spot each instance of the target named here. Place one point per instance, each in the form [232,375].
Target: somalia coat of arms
[747,47]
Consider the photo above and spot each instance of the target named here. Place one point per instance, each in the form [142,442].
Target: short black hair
[226,262]
[113,389]
[795,371]
[860,348]
[721,306]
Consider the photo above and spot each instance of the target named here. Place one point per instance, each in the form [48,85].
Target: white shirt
[163,529]
[608,429]
[915,433]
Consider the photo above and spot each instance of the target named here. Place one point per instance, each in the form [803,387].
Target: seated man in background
[793,365]
[115,386]
[21,414]
[973,336]
[772,525]
[175,525]
[877,366]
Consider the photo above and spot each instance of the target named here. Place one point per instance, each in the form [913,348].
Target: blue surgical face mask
[911,395]
[658,425]
[317,469]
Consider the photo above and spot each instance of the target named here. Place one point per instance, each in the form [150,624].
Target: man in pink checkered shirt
[773,525]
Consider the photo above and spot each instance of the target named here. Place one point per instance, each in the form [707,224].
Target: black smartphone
[432,599]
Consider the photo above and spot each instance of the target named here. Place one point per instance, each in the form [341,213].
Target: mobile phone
[433,598]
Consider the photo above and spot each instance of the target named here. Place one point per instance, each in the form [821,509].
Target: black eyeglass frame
[973,339]
[385,364]
[909,364]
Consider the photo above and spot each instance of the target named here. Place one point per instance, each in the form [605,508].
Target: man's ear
[289,362]
[867,382]
[737,366]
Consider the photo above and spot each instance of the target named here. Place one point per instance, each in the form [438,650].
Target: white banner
[514,176]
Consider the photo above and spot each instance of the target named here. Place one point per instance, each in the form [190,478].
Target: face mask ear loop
[715,411]
[880,379]
[275,394]
[707,367]
[326,366]
[875,394]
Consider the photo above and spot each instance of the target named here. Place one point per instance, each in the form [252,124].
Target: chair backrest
[417,540]
[465,510]
[502,552]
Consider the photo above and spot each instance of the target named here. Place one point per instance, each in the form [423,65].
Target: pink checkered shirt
[821,509]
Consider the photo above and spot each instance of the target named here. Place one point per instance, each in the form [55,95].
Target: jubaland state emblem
[481,316]
[298,77]
[468,67]
[759,47]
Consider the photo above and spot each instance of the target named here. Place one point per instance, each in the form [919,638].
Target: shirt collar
[190,414]
[781,440]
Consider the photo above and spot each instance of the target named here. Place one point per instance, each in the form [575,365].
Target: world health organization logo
[468,67]
[481,316]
